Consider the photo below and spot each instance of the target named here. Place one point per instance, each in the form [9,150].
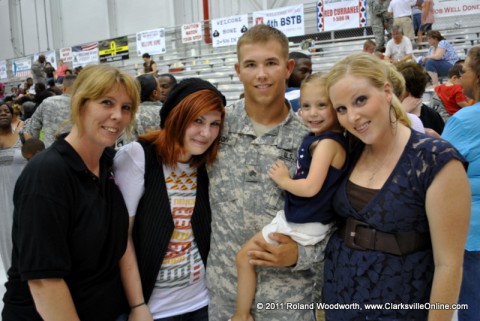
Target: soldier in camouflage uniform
[259,129]
[380,21]
[53,115]
[148,115]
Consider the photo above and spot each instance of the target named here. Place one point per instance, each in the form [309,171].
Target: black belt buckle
[351,232]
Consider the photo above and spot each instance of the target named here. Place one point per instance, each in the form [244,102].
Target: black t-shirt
[72,225]
[431,119]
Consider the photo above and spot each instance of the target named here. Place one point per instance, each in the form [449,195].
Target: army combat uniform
[380,21]
[148,117]
[243,199]
[53,116]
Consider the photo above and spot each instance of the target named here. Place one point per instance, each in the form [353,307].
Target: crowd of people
[147,199]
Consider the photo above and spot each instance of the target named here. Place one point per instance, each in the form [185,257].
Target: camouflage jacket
[243,199]
[53,115]
[148,117]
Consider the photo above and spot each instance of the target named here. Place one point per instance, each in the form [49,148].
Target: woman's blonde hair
[96,81]
[376,72]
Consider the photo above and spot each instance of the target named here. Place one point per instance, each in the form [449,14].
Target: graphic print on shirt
[182,264]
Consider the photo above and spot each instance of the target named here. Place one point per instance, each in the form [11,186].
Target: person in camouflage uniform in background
[52,115]
[148,116]
[258,130]
[380,22]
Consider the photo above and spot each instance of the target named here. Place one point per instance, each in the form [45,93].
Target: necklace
[378,164]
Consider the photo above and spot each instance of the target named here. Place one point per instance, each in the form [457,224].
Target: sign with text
[49,57]
[66,54]
[151,42]
[113,49]
[446,8]
[191,32]
[3,69]
[341,14]
[22,67]
[226,31]
[289,20]
[86,54]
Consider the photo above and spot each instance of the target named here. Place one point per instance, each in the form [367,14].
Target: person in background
[416,81]
[50,72]
[53,87]
[164,181]
[440,58]
[77,70]
[2,91]
[17,122]
[380,21]
[259,130]
[52,115]
[402,185]
[451,93]
[427,20]
[302,69]
[369,46]
[166,82]
[31,147]
[463,132]
[149,66]
[62,68]
[38,70]
[417,16]
[148,116]
[401,11]
[399,48]
[70,225]
[11,165]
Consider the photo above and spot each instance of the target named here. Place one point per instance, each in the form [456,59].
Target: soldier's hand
[284,254]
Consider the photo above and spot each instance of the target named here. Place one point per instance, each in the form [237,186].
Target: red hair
[169,141]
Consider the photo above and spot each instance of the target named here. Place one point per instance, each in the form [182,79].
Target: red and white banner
[341,14]
[66,54]
[448,8]
[289,20]
[192,32]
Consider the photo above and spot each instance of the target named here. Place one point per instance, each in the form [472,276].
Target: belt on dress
[359,235]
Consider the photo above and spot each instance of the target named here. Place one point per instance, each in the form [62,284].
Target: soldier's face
[263,70]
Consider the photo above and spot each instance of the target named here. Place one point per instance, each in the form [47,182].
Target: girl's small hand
[278,172]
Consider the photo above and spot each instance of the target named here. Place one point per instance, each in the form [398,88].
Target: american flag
[85,47]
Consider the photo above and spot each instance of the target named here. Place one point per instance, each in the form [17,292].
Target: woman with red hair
[164,182]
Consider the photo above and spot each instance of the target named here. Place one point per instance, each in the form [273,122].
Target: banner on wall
[86,54]
[66,54]
[191,32]
[113,49]
[3,69]
[226,31]
[49,57]
[341,14]
[447,8]
[289,20]
[22,68]
[151,42]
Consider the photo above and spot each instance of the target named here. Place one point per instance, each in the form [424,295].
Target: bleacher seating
[217,64]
